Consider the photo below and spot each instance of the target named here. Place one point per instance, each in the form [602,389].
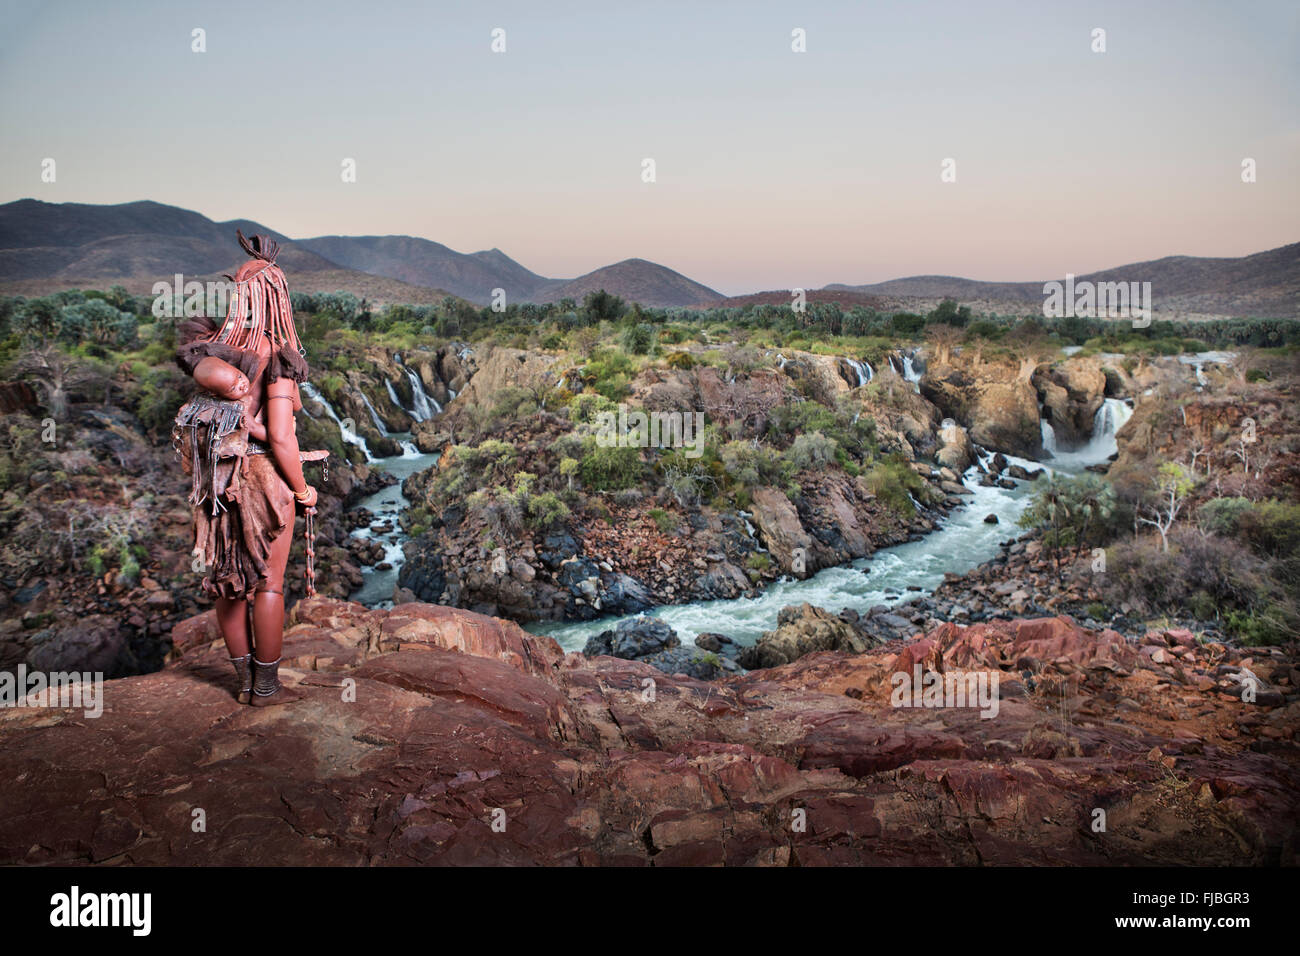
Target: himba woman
[254,357]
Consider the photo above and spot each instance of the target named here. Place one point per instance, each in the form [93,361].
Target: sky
[773,169]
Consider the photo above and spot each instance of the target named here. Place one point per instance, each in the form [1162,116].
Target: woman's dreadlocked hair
[262,295]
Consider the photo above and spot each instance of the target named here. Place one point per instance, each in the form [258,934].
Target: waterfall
[374,415]
[909,370]
[1049,436]
[1108,420]
[423,410]
[408,449]
[862,369]
[425,405]
[392,396]
[349,436]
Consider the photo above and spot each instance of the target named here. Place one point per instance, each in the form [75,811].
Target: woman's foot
[244,674]
[267,689]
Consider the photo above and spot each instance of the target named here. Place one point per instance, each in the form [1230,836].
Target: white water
[392,396]
[1110,418]
[374,415]
[963,542]
[349,435]
[863,370]
[425,406]
[910,374]
[377,586]
[1198,361]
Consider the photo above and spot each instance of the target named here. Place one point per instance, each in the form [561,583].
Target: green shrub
[811,450]
[664,521]
[610,469]
[546,511]
[681,360]
[751,466]
[894,483]
[639,339]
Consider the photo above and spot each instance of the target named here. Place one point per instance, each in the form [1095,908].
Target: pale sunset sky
[774,168]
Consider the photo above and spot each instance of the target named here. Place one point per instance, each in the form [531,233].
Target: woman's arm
[281,434]
[255,423]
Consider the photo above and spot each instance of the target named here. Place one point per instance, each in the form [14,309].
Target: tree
[601,305]
[1031,349]
[942,338]
[55,374]
[1172,485]
[1069,510]
[949,313]
[639,338]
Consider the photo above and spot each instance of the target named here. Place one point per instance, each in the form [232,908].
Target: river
[890,576]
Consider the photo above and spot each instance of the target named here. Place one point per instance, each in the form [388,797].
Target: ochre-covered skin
[221,378]
[254,357]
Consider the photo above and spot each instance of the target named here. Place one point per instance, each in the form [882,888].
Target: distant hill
[471,276]
[49,246]
[1265,284]
[842,297]
[634,280]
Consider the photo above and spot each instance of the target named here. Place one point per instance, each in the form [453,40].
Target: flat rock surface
[428,735]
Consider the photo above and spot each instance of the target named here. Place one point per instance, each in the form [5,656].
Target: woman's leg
[268,602]
[268,626]
[232,619]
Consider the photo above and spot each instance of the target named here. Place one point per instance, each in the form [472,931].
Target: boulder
[801,630]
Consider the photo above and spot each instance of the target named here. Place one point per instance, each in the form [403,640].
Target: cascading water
[392,396]
[909,371]
[1106,423]
[387,504]
[964,541]
[425,406]
[863,370]
[374,415]
[348,434]
[1049,436]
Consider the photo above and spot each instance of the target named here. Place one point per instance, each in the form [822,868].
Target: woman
[245,546]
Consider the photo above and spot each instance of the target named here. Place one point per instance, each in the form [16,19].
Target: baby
[225,381]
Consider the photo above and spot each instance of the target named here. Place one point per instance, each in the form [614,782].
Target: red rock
[434,736]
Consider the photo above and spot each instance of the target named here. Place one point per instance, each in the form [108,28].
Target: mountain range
[49,246]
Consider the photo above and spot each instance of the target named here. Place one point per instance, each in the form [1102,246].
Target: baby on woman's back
[223,380]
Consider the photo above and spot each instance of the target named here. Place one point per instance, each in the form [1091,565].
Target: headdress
[260,305]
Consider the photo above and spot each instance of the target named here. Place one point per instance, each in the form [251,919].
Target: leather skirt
[235,543]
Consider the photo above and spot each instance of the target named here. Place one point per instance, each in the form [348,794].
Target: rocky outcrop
[499,367]
[955,449]
[655,643]
[999,409]
[1071,392]
[432,736]
[801,630]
